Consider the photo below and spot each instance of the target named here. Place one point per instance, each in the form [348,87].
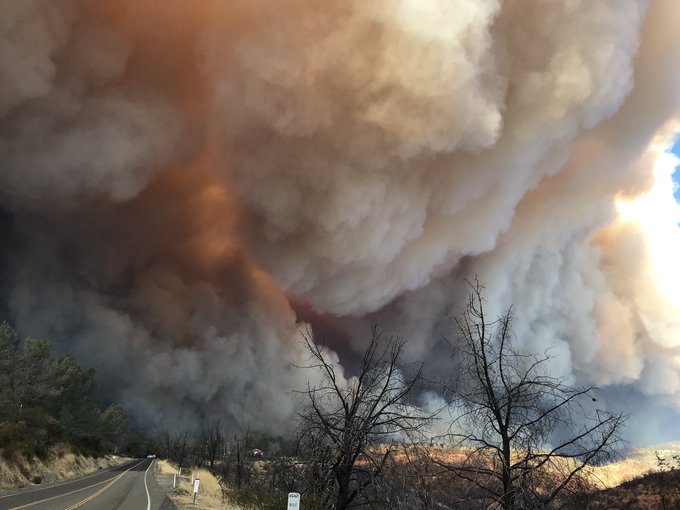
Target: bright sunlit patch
[438,19]
[658,214]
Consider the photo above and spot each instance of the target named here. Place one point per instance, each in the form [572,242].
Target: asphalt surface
[131,486]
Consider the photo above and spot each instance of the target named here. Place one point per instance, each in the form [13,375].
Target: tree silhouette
[347,424]
[527,434]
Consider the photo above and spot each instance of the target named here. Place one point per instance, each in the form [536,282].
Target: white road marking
[110,481]
[148,497]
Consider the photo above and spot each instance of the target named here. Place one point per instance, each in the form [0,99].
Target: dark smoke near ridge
[184,186]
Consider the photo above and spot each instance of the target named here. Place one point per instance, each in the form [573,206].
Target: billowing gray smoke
[172,177]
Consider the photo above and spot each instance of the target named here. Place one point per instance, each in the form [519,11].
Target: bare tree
[211,439]
[240,445]
[414,481]
[165,441]
[180,448]
[235,468]
[174,445]
[527,435]
[347,426]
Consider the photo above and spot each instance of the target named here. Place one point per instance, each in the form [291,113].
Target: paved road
[128,487]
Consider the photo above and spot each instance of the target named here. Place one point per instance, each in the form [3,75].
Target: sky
[675,149]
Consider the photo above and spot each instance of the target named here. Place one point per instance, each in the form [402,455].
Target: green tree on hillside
[72,388]
[31,384]
[45,400]
[9,343]
[114,426]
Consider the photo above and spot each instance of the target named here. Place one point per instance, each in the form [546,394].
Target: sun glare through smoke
[658,215]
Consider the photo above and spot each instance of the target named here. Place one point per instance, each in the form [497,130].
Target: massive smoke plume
[182,185]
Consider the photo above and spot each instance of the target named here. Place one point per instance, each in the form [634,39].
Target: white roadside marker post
[293,501]
[196,484]
[174,480]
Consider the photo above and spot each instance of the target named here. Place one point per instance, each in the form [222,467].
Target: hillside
[636,462]
[660,490]
[59,464]
[48,399]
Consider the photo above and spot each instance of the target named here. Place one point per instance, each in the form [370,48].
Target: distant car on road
[151,456]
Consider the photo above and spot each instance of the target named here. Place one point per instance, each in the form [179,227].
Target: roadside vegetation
[412,478]
[61,463]
[51,415]
[517,437]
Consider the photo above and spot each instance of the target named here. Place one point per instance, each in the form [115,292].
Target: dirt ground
[209,496]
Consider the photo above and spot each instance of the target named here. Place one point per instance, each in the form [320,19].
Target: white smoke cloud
[171,175]
[378,154]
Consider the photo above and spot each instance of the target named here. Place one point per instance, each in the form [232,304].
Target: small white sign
[293,501]
[196,482]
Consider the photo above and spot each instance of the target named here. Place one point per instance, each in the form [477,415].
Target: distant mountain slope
[660,490]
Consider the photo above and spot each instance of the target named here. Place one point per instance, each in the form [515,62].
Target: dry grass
[631,483]
[209,497]
[660,490]
[61,464]
[638,462]
[165,468]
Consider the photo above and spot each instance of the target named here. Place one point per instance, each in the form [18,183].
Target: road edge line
[113,479]
[148,496]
